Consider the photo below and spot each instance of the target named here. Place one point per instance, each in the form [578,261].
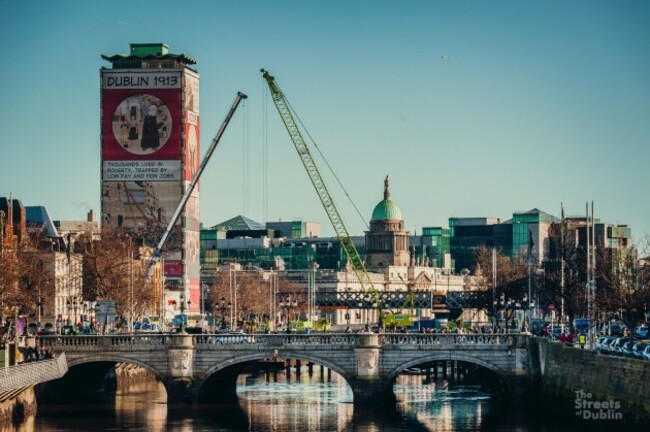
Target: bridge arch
[282,355]
[86,375]
[504,376]
[209,373]
[114,358]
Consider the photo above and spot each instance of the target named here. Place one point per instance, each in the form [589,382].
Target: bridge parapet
[449,340]
[147,342]
[29,374]
[275,340]
[112,342]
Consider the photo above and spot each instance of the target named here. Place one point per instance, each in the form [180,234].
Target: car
[638,348]
[68,330]
[556,333]
[603,348]
[646,353]
[641,332]
[608,345]
[617,346]
[617,329]
[626,349]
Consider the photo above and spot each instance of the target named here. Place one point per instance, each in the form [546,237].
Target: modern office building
[432,247]
[613,240]
[295,229]
[150,128]
[468,234]
[291,245]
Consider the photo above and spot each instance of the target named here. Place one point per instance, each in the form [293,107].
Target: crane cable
[265,151]
[245,158]
[326,162]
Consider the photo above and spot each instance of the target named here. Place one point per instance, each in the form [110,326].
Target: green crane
[355,260]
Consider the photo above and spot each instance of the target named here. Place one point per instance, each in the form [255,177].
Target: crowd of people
[36,354]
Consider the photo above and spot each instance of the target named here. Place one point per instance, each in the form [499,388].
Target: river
[296,403]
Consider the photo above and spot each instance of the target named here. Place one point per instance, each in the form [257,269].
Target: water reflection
[283,402]
[441,406]
[278,402]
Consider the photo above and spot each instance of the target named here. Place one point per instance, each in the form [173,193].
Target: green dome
[386,209]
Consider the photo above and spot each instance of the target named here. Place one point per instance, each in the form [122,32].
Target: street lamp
[222,307]
[287,304]
[181,328]
[204,289]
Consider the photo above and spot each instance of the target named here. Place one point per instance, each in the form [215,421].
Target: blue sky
[473,108]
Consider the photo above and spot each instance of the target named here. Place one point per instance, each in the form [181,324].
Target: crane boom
[155,258]
[323,193]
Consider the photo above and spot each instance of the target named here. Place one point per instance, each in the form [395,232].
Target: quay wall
[18,408]
[578,379]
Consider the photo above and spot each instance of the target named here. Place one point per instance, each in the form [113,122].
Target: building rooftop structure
[386,209]
[238,223]
[39,217]
[149,56]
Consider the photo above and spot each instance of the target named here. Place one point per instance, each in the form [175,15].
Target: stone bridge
[192,366]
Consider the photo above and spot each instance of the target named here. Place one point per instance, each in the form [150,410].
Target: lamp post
[181,325]
[204,289]
[287,304]
[222,307]
[39,305]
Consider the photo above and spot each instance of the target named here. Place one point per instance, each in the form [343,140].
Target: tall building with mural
[149,153]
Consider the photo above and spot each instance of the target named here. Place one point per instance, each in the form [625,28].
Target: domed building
[387,243]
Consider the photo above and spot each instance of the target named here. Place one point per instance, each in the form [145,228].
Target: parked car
[556,333]
[641,332]
[638,348]
[617,329]
[617,346]
[626,349]
[605,346]
[68,330]
[646,353]
[610,346]
[599,343]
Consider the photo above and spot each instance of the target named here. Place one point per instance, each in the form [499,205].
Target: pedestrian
[563,338]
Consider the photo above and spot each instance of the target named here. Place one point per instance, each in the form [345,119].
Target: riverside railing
[29,374]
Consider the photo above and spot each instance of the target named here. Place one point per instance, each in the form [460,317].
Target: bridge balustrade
[147,342]
[278,339]
[133,342]
[444,340]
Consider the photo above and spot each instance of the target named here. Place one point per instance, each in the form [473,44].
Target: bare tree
[623,287]
[565,252]
[24,281]
[510,278]
[115,269]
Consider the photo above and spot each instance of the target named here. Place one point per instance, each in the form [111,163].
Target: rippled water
[281,403]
